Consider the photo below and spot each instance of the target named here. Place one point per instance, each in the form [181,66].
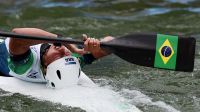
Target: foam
[138,98]
[90,98]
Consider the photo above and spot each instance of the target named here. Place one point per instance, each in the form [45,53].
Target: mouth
[58,56]
[67,52]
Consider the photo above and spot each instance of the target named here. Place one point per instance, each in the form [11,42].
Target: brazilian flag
[166,51]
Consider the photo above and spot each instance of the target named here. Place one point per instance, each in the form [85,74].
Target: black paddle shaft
[48,39]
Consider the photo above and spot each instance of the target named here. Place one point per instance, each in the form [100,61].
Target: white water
[90,98]
[87,96]
[138,98]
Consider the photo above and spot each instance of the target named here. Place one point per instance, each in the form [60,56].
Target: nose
[61,49]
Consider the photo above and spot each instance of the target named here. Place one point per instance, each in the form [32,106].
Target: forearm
[100,53]
[20,46]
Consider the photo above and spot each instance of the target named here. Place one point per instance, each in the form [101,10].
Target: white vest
[34,73]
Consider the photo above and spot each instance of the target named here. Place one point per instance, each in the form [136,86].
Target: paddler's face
[54,53]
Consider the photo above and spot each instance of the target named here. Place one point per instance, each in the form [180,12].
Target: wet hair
[43,49]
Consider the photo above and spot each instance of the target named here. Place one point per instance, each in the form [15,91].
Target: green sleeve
[80,58]
[20,67]
[84,59]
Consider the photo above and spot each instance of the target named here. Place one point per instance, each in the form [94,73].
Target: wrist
[99,54]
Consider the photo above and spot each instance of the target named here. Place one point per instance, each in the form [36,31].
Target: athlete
[29,59]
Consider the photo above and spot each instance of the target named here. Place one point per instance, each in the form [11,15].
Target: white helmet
[63,72]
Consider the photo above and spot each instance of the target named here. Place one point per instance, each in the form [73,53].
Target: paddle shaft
[48,39]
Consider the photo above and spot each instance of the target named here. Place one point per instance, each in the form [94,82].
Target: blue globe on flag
[166,51]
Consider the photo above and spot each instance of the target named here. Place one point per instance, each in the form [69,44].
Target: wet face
[54,53]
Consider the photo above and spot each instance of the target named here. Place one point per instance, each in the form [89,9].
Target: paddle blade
[155,50]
